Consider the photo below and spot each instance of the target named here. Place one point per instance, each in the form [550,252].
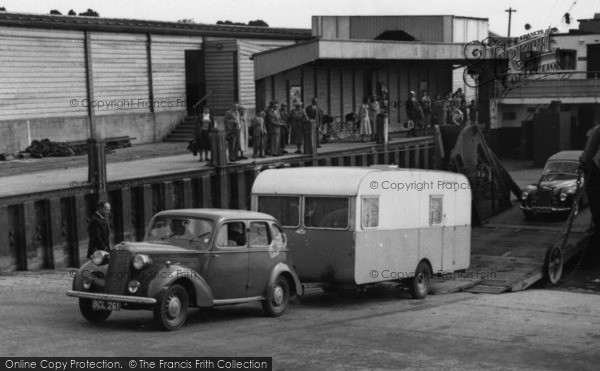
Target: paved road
[533,329]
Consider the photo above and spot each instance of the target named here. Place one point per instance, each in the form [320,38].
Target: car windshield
[193,233]
[561,167]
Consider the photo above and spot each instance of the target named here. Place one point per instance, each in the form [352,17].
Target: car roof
[566,156]
[216,214]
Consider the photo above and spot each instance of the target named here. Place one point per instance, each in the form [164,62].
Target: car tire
[171,309]
[420,283]
[278,304]
[92,315]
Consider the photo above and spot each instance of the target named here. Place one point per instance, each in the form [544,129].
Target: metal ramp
[508,253]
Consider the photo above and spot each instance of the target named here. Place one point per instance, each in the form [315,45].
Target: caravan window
[326,212]
[370,212]
[435,209]
[286,209]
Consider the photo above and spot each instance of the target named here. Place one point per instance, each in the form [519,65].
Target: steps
[184,132]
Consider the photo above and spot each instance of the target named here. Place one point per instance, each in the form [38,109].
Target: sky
[297,14]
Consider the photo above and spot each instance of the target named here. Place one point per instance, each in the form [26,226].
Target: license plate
[106,305]
[546,211]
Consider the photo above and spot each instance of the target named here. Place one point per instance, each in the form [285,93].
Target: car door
[228,265]
[260,260]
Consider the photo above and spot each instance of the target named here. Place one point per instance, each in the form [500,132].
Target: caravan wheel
[419,284]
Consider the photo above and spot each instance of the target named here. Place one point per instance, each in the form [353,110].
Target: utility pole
[510,12]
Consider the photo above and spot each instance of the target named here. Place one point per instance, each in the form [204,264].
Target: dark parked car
[557,187]
[192,257]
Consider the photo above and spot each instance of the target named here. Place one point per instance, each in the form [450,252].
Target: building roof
[143,26]
[271,62]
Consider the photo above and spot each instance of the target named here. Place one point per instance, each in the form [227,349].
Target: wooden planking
[219,71]
[347,93]
[116,57]
[393,93]
[168,70]
[322,91]
[246,48]
[20,33]
[41,71]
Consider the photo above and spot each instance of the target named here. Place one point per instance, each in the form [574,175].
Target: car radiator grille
[545,197]
[118,273]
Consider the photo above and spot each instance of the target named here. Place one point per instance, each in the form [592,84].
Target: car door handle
[216,255]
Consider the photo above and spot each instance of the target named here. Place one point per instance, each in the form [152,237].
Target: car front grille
[545,197]
[118,273]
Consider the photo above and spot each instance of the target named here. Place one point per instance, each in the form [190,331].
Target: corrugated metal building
[68,78]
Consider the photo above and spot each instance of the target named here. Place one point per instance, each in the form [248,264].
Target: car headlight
[87,283]
[133,286]
[141,261]
[562,197]
[100,257]
[524,195]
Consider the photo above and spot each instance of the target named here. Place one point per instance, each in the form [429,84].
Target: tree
[258,23]
[231,23]
[90,13]
[54,11]
[72,12]
[186,20]
[2,9]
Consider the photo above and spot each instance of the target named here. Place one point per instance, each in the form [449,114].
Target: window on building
[567,58]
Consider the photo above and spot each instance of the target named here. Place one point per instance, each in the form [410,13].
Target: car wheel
[419,284]
[92,315]
[171,308]
[280,298]
[553,265]
[529,215]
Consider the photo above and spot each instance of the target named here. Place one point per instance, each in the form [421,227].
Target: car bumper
[546,210]
[109,297]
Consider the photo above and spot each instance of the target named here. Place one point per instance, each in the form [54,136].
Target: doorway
[593,61]
[195,82]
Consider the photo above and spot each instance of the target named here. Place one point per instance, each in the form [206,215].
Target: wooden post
[89,76]
[7,262]
[186,193]
[55,235]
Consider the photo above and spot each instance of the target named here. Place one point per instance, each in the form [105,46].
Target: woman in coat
[296,117]
[243,138]
[364,119]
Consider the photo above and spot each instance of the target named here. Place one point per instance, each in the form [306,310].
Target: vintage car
[554,192]
[193,257]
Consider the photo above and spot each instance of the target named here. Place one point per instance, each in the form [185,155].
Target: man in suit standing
[274,129]
[99,230]
[590,163]
[232,127]
[314,112]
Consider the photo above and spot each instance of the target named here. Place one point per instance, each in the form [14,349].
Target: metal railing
[580,84]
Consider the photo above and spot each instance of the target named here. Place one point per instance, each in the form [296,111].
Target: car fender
[86,271]
[169,275]
[282,268]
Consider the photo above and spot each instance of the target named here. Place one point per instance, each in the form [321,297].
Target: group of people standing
[275,127]
[452,109]
[270,131]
